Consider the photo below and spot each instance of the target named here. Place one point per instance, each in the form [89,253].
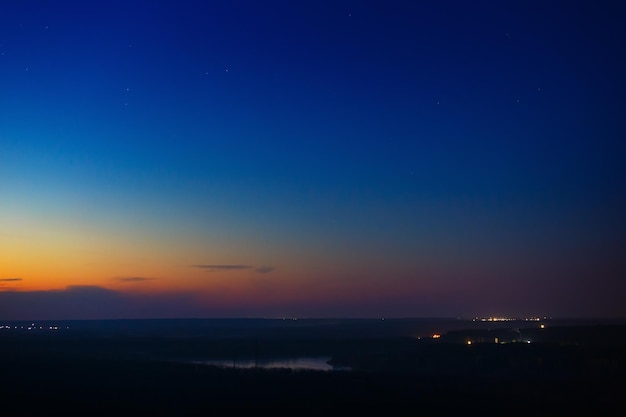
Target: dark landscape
[392,367]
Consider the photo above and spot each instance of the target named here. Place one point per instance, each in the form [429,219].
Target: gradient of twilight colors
[311,159]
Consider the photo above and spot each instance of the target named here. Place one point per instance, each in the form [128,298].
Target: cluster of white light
[31,327]
[492,319]
[507,319]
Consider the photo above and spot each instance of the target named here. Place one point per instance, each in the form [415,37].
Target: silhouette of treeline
[130,375]
[250,328]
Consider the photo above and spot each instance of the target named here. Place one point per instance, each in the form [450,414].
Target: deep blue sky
[316,158]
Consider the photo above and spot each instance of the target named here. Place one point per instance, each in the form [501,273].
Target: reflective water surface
[304,363]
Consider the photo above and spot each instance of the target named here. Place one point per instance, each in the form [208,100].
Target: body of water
[299,363]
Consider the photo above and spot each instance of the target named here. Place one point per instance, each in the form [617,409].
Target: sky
[164,159]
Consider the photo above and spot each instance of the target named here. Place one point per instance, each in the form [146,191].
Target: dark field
[129,368]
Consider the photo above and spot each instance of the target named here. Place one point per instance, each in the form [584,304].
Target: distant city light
[436,336]
[33,326]
[507,318]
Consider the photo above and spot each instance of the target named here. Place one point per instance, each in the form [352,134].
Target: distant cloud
[222,267]
[84,289]
[93,302]
[10,279]
[134,279]
[234,267]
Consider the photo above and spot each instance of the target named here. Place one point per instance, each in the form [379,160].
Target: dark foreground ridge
[574,368]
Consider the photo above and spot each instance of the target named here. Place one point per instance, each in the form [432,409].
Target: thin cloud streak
[134,279]
[209,267]
[10,279]
[234,267]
